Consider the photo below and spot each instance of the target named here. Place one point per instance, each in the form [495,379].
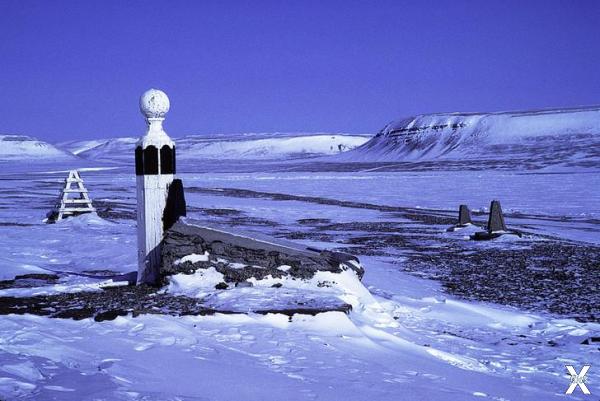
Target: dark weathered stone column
[496,219]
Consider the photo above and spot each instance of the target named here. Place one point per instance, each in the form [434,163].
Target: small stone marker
[496,225]
[73,201]
[464,215]
[496,219]
[154,169]
[464,218]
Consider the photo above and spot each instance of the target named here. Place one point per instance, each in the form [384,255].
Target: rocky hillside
[568,137]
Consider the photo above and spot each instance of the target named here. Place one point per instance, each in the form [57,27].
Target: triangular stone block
[464,215]
[496,226]
[464,219]
[496,219]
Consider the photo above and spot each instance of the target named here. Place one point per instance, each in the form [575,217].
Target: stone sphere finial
[154,103]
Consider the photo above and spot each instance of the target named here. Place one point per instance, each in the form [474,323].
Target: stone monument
[464,219]
[154,169]
[496,227]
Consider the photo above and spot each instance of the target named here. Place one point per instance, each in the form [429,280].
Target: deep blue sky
[72,70]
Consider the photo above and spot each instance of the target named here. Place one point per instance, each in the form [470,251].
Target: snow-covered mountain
[20,147]
[562,136]
[268,146]
[112,149]
[239,146]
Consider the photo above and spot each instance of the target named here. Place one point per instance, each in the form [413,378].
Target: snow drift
[551,136]
[20,147]
[238,146]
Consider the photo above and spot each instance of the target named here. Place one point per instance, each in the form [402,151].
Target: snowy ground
[406,338]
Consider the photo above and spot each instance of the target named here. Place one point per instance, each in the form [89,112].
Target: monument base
[239,256]
[489,235]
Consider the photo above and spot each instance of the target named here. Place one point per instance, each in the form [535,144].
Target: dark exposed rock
[486,235]
[135,300]
[314,221]
[221,286]
[262,256]
[535,273]
[75,313]
[555,276]
[238,275]
[592,341]
[15,224]
[345,308]
[110,315]
[101,273]
[103,305]
[29,280]
[251,221]
[37,276]
[220,212]
[114,210]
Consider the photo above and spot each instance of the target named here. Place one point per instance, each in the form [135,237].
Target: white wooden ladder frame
[71,206]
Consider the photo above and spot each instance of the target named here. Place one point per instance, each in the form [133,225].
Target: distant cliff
[547,137]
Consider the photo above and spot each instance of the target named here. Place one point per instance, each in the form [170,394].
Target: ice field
[405,338]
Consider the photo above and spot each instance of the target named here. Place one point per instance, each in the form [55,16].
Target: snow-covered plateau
[436,315]
[529,139]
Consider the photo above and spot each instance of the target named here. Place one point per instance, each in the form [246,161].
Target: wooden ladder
[76,200]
